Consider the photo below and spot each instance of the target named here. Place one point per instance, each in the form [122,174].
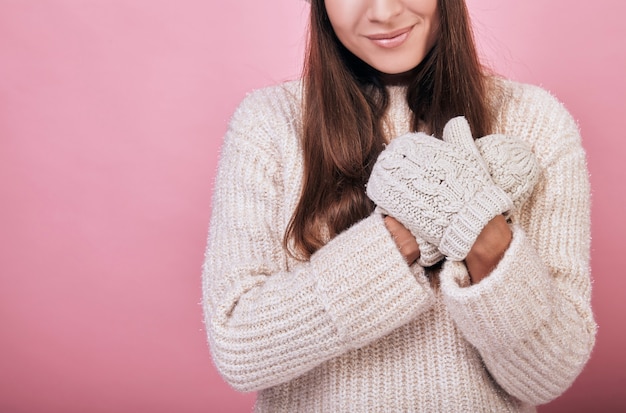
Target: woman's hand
[405,241]
[489,248]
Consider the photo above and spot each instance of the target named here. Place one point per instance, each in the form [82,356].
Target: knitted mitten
[440,190]
[512,166]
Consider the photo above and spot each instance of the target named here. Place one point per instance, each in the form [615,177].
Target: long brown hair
[344,103]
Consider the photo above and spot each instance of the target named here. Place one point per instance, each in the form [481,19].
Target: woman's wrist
[489,248]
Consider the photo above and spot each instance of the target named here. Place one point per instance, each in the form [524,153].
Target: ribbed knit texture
[355,329]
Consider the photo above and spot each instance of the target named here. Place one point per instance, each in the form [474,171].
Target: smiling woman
[112,114]
[392,38]
[366,253]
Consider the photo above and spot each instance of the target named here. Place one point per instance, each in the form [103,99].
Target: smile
[391,39]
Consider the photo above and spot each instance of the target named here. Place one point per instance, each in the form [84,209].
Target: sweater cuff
[505,307]
[372,291]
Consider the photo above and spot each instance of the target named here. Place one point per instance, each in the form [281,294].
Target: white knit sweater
[355,329]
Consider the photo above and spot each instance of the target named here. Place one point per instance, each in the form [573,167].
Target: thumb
[458,133]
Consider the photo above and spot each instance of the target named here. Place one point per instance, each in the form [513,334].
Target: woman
[355,263]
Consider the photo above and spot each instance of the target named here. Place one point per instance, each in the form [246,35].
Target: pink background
[111,116]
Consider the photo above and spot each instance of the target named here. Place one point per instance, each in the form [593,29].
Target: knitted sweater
[355,329]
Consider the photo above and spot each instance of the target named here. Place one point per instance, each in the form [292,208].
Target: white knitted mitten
[440,190]
[512,166]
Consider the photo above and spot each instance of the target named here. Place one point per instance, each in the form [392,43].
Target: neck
[397,79]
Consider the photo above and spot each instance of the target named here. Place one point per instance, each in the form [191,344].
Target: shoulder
[277,104]
[535,115]
[268,119]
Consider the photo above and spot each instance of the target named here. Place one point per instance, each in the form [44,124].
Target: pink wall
[111,116]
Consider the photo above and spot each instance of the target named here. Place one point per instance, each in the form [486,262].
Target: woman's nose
[381,11]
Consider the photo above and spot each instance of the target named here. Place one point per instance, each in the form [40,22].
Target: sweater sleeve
[268,321]
[531,318]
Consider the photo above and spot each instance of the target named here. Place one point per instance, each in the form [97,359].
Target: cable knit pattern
[354,329]
[512,166]
[439,189]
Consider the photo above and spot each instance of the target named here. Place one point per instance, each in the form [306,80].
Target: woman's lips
[392,39]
